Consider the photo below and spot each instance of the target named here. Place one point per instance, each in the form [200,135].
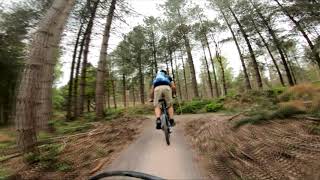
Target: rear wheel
[165,129]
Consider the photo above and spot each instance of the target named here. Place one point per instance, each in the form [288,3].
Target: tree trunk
[124,88]
[246,76]
[253,57]
[277,44]
[39,61]
[101,71]
[114,92]
[141,79]
[304,34]
[171,63]
[154,51]
[178,77]
[213,68]
[87,36]
[70,85]
[191,65]
[208,70]
[224,83]
[270,53]
[134,96]
[76,109]
[290,66]
[88,105]
[184,77]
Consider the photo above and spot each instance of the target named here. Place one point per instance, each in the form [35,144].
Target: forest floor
[75,154]
[277,149]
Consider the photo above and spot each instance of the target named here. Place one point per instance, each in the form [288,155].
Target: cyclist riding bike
[163,87]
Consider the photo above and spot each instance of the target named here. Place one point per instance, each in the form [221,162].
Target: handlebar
[133,174]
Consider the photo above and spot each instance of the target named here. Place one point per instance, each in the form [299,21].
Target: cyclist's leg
[157,109]
[168,97]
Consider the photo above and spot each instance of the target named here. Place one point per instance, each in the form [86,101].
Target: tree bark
[208,70]
[39,62]
[70,85]
[178,77]
[184,77]
[277,44]
[141,80]
[213,68]
[304,34]
[154,51]
[114,92]
[87,36]
[101,71]
[246,76]
[76,109]
[171,64]
[124,89]
[270,53]
[253,57]
[191,66]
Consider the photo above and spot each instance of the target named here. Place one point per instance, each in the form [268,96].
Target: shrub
[192,106]
[214,107]
[113,114]
[264,116]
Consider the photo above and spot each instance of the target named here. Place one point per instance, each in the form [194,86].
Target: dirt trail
[150,154]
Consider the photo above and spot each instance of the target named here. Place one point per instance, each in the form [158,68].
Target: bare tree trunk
[178,77]
[70,85]
[154,51]
[191,66]
[134,96]
[87,36]
[304,34]
[276,43]
[141,80]
[114,92]
[171,63]
[246,76]
[213,68]
[39,61]
[270,53]
[184,77]
[208,70]
[253,57]
[124,88]
[76,109]
[101,71]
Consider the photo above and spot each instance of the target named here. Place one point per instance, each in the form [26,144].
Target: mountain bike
[127,174]
[165,123]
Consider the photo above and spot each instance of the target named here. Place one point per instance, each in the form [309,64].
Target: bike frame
[164,112]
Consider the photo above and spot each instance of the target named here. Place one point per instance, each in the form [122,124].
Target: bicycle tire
[165,129]
[127,174]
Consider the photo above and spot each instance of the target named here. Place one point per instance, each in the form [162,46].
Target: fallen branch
[237,115]
[10,157]
[99,166]
[307,118]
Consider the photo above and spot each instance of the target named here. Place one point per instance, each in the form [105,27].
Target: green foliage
[6,144]
[214,107]
[260,117]
[63,127]
[111,114]
[48,158]
[140,110]
[4,173]
[58,99]
[197,106]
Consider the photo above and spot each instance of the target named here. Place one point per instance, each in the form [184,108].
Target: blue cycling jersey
[161,79]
